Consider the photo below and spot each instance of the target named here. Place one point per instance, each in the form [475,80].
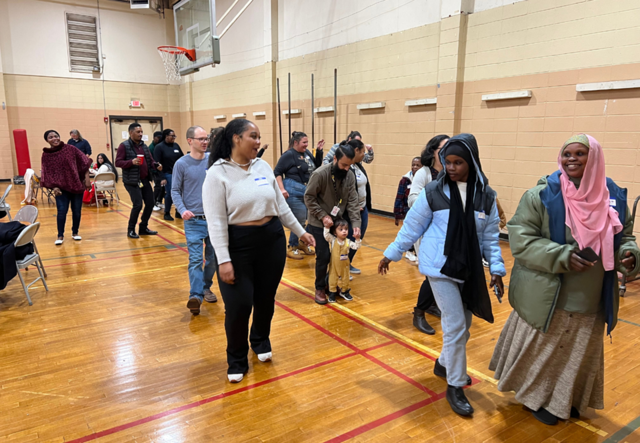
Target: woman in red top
[65,170]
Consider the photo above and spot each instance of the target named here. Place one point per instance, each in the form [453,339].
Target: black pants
[323,256]
[138,195]
[62,203]
[258,255]
[158,190]
[425,297]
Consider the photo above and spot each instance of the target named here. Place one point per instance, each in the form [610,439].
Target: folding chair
[99,187]
[29,214]
[4,206]
[26,237]
[45,191]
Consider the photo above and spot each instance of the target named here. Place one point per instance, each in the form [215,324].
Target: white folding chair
[98,182]
[29,214]
[4,206]
[26,237]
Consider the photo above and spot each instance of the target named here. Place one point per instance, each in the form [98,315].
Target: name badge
[344,257]
[612,202]
[261,181]
[481,215]
[176,151]
[335,211]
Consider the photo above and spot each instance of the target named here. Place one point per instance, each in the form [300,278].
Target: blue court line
[624,432]
[629,322]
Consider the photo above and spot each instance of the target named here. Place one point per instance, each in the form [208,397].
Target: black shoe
[546,417]
[574,412]
[194,305]
[132,234]
[168,217]
[148,231]
[434,310]
[458,401]
[332,297]
[177,215]
[421,323]
[346,295]
[441,371]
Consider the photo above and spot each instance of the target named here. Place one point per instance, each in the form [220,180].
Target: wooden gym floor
[112,354]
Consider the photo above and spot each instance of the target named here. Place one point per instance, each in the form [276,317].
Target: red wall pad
[22,150]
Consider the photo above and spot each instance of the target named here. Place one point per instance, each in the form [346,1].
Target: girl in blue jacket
[457,218]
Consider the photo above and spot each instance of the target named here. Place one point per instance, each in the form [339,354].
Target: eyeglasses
[201,139]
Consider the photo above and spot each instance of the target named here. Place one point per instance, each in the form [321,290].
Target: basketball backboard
[195,26]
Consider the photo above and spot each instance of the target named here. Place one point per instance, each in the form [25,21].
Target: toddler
[339,245]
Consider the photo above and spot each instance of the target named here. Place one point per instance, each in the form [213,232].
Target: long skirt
[555,370]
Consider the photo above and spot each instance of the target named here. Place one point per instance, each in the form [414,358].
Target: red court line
[195,404]
[400,374]
[110,258]
[360,322]
[386,419]
[318,327]
[362,352]
[158,235]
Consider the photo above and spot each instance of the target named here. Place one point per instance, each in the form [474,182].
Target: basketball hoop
[172,56]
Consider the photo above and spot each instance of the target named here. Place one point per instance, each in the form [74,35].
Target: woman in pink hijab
[569,237]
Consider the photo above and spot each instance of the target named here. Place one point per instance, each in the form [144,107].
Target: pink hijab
[592,221]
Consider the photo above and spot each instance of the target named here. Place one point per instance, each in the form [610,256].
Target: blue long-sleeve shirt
[186,185]
[82,145]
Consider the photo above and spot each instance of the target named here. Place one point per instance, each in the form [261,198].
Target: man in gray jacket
[330,193]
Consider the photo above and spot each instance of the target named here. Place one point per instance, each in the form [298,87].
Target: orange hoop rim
[189,53]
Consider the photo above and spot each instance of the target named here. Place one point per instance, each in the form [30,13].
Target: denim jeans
[296,203]
[168,201]
[197,234]
[455,321]
[364,222]
[62,204]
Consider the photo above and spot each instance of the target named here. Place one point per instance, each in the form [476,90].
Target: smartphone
[496,290]
[588,254]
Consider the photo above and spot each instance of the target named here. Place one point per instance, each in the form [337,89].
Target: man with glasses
[189,173]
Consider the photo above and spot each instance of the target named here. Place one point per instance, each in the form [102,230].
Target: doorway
[119,126]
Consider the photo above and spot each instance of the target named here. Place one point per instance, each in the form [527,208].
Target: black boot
[458,401]
[574,412]
[421,323]
[434,310]
[441,371]
[545,417]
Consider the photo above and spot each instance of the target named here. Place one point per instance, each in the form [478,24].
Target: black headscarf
[464,258]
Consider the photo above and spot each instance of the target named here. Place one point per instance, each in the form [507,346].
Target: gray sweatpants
[455,321]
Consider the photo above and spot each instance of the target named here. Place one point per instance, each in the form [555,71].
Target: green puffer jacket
[540,262]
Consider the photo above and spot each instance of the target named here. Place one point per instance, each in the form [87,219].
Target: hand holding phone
[588,254]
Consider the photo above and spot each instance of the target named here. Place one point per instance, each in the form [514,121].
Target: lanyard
[335,189]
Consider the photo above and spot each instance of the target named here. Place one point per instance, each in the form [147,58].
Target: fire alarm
[106,119]
[135,103]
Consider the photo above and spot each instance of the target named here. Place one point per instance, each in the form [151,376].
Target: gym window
[82,38]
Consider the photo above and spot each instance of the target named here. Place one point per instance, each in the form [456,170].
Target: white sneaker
[267,356]
[156,208]
[58,242]
[410,256]
[161,205]
[350,277]
[76,237]
[235,378]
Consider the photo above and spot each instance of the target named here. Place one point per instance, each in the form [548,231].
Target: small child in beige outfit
[339,245]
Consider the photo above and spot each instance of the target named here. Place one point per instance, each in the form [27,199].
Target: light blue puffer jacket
[422,221]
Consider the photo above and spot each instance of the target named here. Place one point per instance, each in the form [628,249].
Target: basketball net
[172,56]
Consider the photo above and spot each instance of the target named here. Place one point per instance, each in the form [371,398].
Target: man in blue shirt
[189,173]
[79,142]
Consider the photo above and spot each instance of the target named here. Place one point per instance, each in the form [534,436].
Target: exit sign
[135,103]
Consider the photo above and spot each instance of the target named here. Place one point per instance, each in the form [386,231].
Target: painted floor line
[624,432]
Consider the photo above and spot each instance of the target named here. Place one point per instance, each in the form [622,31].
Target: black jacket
[9,233]
[131,176]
